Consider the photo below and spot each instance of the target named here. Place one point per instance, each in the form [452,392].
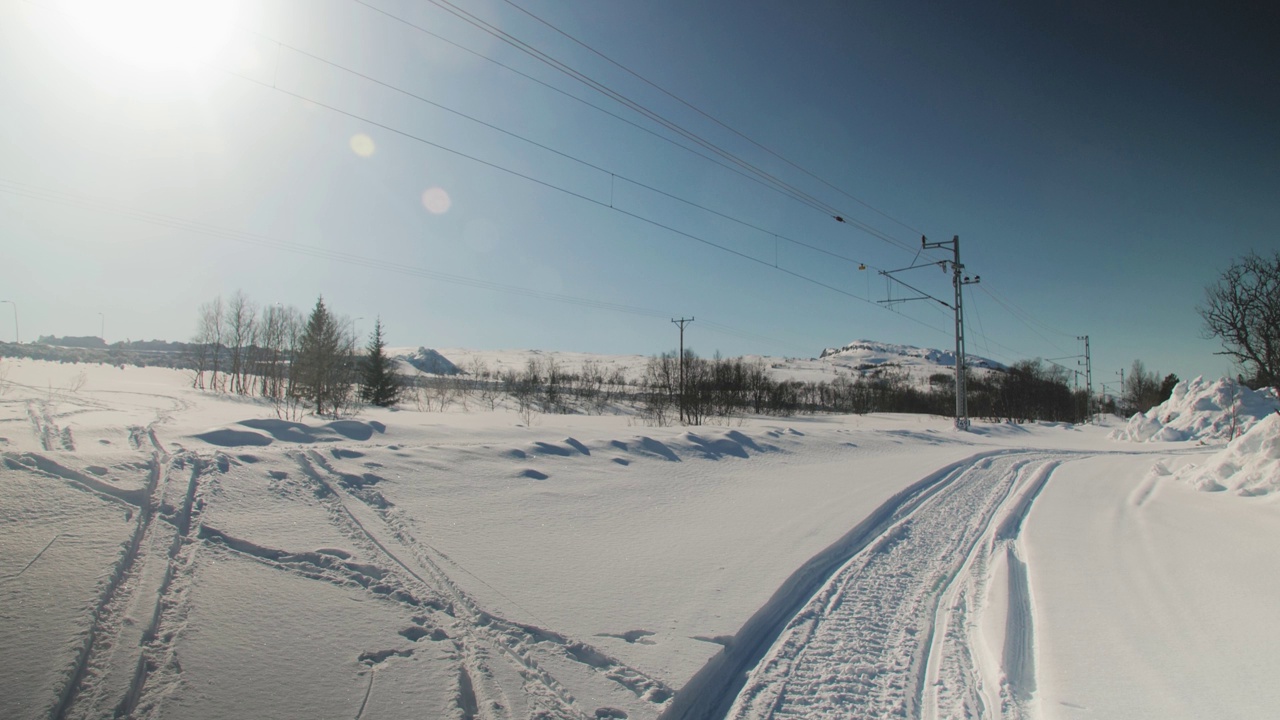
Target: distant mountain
[858,359]
[868,354]
[429,361]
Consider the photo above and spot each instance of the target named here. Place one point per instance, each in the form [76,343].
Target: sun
[151,36]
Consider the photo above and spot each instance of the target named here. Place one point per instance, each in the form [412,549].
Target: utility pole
[682,322]
[17,339]
[1088,379]
[959,280]
[1123,389]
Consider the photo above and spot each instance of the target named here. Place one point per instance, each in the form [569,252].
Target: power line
[1025,319]
[548,148]
[553,186]
[710,117]
[62,197]
[618,97]
[770,179]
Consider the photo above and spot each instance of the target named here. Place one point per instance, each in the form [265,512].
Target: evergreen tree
[323,366]
[381,384]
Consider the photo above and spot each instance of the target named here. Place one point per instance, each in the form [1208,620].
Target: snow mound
[1201,410]
[1249,465]
[264,431]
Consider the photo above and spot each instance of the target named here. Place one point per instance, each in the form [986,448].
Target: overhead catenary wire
[614,176]
[13,187]
[768,178]
[625,101]
[710,117]
[1024,318]
[572,193]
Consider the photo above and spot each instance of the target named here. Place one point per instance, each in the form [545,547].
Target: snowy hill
[427,360]
[866,354]
[857,359]
[1204,410]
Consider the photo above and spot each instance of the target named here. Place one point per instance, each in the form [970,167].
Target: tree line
[295,361]
[312,362]
[721,389]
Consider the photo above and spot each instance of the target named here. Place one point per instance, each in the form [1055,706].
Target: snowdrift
[1249,465]
[1208,411]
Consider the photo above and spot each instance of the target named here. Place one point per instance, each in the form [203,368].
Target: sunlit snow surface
[168,553]
[1207,411]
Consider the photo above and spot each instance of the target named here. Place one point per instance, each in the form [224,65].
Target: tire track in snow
[956,686]
[862,646]
[712,691]
[1018,659]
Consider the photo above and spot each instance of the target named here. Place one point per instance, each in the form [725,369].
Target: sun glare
[152,36]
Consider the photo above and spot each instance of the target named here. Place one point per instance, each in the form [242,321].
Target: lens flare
[436,201]
[362,145]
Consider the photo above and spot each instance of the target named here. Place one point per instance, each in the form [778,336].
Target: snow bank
[1202,410]
[1249,465]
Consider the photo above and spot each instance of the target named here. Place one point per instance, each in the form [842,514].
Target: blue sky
[1101,163]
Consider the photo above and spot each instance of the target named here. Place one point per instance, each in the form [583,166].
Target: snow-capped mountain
[857,359]
[867,354]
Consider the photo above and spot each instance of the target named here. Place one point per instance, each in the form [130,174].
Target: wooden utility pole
[1088,379]
[682,322]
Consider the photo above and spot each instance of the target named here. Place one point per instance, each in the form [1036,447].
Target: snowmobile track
[852,632]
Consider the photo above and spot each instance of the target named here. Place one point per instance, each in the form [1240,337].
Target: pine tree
[322,368]
[381,385]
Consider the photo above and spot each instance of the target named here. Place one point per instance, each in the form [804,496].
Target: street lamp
[102,328]
[16,339]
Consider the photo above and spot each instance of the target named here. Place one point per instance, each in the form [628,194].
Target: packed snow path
[890,633]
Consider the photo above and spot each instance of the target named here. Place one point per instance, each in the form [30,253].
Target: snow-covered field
[174,554]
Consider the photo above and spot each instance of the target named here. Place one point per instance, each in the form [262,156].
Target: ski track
[890,633]
[119,652]
[90,677]
[528,650]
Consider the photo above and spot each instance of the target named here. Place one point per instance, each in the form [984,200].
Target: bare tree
[280,328]
[1243,311]
[483,381]
[207,354]
[1141,388]
[239,322]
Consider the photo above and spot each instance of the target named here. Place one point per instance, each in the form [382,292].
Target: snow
[1202,410]
[1249,465]
[857,359]
[166,552]
[867,354]
[1152,600]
